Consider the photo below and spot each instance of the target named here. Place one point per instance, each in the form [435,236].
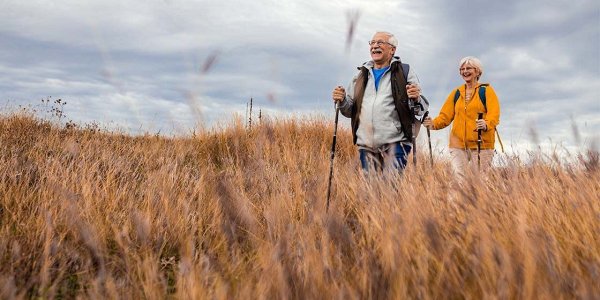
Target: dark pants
[394,155]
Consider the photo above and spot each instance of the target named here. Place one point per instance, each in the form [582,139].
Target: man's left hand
[414,91]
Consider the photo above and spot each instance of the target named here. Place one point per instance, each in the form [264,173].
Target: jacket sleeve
[346,105]
[446,115]
[492,116]
[422,103]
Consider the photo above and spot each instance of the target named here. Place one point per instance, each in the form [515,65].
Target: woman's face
[468,72]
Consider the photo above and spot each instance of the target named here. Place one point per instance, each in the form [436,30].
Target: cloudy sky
[168,65]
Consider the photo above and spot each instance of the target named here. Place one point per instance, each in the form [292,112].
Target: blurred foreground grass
[237,213]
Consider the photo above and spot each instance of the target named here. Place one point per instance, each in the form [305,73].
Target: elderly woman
[462,108]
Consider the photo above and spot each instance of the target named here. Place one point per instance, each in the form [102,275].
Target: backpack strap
[483,100]
[481,95]
[456,96]
[405,69]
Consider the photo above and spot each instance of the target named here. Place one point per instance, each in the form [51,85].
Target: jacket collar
[463,86]
[369,64]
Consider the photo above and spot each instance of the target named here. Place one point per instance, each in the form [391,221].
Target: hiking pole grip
[333,143]
[479,117]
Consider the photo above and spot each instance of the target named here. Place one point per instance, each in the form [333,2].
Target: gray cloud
[541,57]
[138,64]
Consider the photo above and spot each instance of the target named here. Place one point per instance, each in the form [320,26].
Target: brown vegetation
[237,213]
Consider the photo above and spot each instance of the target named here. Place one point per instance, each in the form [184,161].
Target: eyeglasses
[378,43]
[466,69]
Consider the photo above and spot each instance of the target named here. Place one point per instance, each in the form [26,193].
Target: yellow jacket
[463,115]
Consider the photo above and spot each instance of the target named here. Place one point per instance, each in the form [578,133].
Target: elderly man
[382,101]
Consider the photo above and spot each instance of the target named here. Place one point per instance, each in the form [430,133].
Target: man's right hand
[339,94]
[428,123]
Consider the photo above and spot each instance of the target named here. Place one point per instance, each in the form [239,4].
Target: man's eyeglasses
[379,43]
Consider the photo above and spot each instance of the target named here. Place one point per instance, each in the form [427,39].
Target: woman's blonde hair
[473,61]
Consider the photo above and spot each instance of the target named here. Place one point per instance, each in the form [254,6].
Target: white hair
[391,38]
[474,62]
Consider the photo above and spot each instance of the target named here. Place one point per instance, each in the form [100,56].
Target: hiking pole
[429,140]
[414,129]
[479,117]
[414,134]
[337,113]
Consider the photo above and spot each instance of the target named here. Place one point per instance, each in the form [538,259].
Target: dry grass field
[232,213]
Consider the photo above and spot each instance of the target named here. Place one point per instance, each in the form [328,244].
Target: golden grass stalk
[237,213]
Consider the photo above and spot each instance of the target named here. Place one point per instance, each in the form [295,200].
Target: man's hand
[414,91]
[339,94]
[428,123]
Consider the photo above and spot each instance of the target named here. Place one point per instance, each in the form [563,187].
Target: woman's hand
[481,124]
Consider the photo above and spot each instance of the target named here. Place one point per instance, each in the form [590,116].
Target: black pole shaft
[414,134]
[479,117]
[430,152]
[337,113]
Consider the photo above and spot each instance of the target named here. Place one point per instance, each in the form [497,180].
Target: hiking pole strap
[499,140]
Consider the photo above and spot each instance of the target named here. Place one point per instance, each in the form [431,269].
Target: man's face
[381,51]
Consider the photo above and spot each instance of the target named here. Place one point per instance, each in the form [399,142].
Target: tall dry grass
[232,213]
